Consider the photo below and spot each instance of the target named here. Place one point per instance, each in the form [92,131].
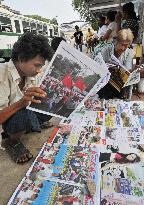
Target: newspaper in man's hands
[120,76]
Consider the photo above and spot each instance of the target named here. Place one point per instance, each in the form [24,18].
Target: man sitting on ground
[17,89]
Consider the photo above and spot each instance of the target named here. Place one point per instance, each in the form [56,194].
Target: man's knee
[17,123]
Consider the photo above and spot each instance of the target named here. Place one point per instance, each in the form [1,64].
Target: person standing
[89,37]
[138,53]
[78,35]
[111,28]
[102,27]
[126,18]
[101,32]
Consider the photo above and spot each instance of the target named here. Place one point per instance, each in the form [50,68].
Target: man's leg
[80,46]
[137,60]
[76,46]
[87,47]
[21,122]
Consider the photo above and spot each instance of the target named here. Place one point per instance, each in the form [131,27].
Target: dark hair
[111,15]
[124,159]
[128,8]
[76,27]
[103,202]
[29,46]
[102,18]
[56,41]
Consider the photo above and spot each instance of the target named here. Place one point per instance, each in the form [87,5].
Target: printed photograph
[68,81]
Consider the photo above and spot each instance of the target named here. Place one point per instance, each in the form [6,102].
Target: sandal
[4,135]
[18,152]
[46,125]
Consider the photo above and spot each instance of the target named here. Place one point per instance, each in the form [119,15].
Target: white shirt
[112,27]
[9,81]
[107,50]
[102,30]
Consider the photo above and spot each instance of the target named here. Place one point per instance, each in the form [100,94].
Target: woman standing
[111,28]
[129,18]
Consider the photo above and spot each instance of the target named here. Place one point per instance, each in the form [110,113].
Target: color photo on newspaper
[69,79]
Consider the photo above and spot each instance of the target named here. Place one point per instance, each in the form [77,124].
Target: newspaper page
[120,76]
[70,78]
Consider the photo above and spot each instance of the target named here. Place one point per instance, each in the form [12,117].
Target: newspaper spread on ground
[95,157]
[70,78]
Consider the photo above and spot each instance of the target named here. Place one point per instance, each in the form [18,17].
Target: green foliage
[83,9]
[40,18]
[54,21]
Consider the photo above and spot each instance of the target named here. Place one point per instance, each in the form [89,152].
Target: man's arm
[7,112]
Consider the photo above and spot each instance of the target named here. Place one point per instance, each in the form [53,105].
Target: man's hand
[29,95]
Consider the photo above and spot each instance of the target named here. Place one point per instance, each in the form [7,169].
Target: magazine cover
[120,76]
[124,139]
[122,183]
[69,79]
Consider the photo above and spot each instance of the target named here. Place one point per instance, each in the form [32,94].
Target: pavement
[11,173]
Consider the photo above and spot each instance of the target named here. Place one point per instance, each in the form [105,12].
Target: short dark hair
[30,45]
[128,7]
[76,27]
[55,42]
[111,15]
[102,18]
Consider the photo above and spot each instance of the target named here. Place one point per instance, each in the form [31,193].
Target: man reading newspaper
[119,57]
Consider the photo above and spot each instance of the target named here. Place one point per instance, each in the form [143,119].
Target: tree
[83,9]
[40,18]
[54,21]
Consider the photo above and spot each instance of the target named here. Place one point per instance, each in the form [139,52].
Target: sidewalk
[11,173]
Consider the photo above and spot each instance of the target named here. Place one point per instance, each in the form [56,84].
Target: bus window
[39,26]
[33,26]
[17,26]
[44,28]
[27,29]
[34,31]
[25,25]
[5,24]
[55,31]
[6,28]
[51,33]
[5,20]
